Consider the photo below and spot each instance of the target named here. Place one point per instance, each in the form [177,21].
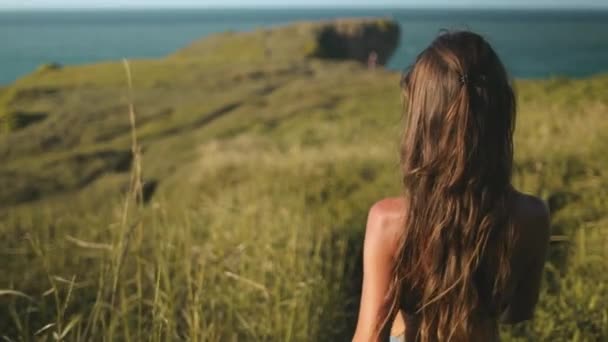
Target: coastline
[136,33]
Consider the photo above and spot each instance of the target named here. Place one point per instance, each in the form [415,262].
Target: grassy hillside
[258,170]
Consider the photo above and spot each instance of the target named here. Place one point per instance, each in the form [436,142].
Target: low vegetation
[246,220]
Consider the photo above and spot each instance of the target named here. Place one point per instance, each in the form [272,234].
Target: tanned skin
[386,221]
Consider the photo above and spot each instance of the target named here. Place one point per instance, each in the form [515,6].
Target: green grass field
[258,174]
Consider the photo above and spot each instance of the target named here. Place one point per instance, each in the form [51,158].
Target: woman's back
[531,223]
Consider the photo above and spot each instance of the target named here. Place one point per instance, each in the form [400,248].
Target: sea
[531,43]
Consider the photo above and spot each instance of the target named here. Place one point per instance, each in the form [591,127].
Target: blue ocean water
[532,44]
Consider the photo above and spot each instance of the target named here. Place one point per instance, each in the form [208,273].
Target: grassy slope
[264,172]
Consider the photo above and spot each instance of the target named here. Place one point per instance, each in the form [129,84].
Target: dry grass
[256,229]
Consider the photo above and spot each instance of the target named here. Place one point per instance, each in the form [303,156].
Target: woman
[462,249]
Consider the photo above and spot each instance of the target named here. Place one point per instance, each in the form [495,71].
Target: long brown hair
[453,258]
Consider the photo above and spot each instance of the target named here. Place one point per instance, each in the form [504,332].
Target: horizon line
[308,7]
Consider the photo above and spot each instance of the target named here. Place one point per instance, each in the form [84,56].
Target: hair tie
[464,79]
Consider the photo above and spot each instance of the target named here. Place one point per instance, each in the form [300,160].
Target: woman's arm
[378,253]
[527,291]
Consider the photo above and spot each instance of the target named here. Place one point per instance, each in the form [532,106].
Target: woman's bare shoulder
[386,220]
[389,207]
[390,211]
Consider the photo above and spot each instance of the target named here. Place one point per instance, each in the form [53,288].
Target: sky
[44,4]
